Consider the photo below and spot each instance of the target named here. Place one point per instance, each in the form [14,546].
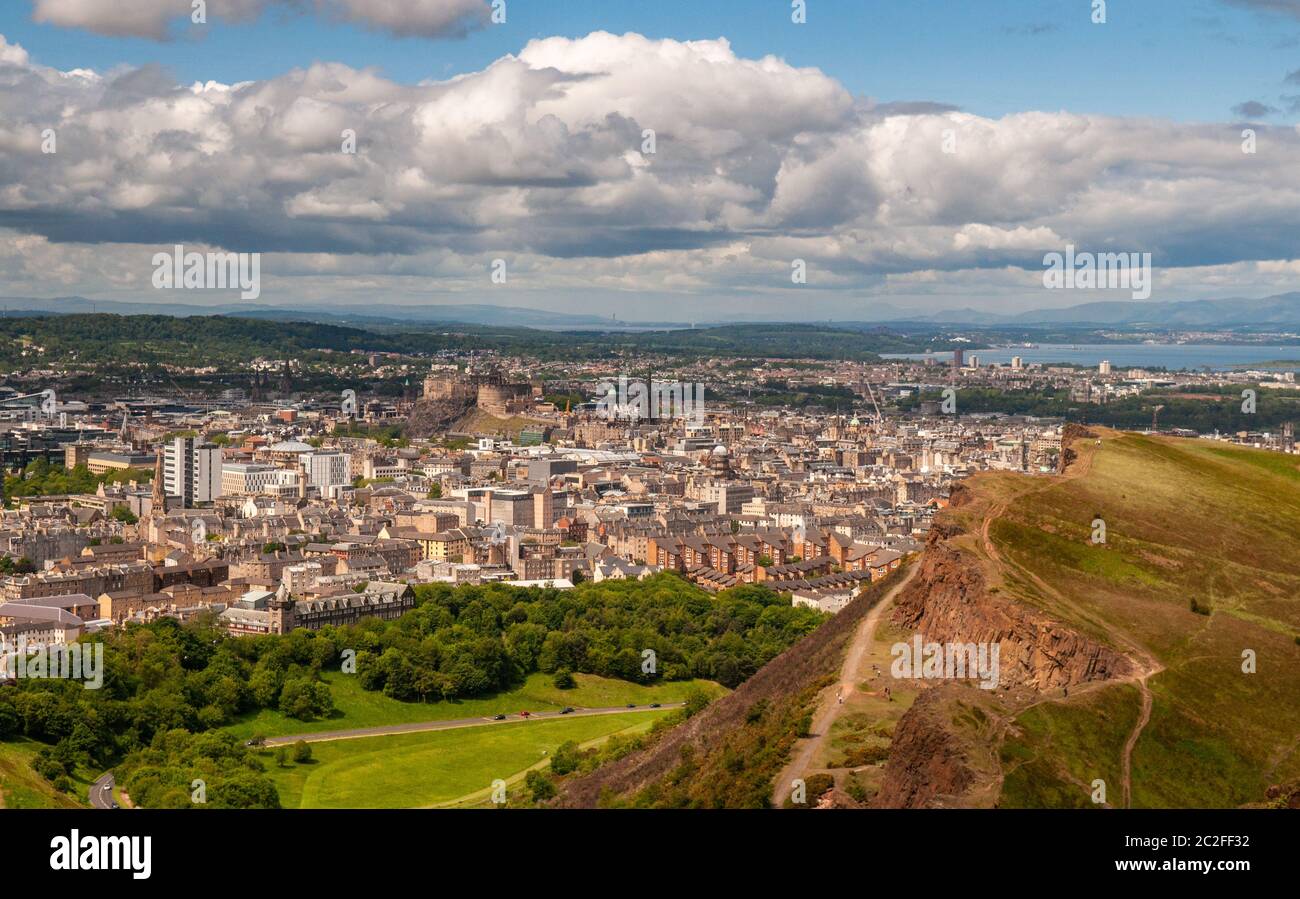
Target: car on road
[654,705]
[524,714]
[501,717]
[631,705]
[568,709]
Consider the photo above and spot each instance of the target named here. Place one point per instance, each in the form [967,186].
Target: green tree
[539,785]
[306,699]
[566,759]
[696,700]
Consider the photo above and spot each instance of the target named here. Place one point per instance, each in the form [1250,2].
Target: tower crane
[1155,418]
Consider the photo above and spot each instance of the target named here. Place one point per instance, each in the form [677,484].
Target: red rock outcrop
[949,601]
[931,761]
[928,765]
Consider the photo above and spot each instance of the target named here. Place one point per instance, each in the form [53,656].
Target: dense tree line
[778,393]
[162,679]
[179,769]
[42,478]
[110,339]
[472,640]
[164,338]
[168,688]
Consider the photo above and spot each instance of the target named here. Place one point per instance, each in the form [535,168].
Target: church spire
[159,504]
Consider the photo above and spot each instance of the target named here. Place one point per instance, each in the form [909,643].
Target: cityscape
[610,415]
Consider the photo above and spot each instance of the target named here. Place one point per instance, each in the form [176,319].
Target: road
[830,707]
[452,724]
[101,792]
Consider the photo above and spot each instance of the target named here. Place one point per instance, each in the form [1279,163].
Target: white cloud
[12,54]
[538,158]
[155,18]
[423,18]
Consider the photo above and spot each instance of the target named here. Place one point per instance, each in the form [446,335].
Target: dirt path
[1127,760]
[829,707]
[388,730]
[1148,665]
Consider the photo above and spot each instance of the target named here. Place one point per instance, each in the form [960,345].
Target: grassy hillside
[729,754]
[20,786]
[1200,565]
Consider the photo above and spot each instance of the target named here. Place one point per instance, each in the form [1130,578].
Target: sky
[921,155]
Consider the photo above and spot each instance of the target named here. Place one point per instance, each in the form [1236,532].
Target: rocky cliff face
[929,765]
[433,416]
[934,760]
[949,601]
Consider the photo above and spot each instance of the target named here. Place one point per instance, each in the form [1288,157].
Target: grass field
[356,707]
[434,768]
[1186,520]
[455,759]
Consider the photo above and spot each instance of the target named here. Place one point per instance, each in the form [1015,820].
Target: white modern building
[328,471]
[246,479]
[192,471]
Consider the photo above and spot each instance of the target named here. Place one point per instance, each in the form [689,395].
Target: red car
[523,714]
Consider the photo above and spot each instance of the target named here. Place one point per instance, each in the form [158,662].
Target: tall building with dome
[720,462]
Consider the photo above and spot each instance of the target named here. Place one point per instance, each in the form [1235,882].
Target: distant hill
[161,338]
[224,339]
[1282,311]
[376,313]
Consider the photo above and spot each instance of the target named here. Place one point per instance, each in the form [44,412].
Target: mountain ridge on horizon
[1277,310]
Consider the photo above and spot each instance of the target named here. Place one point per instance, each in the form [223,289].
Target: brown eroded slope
[1121,660]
